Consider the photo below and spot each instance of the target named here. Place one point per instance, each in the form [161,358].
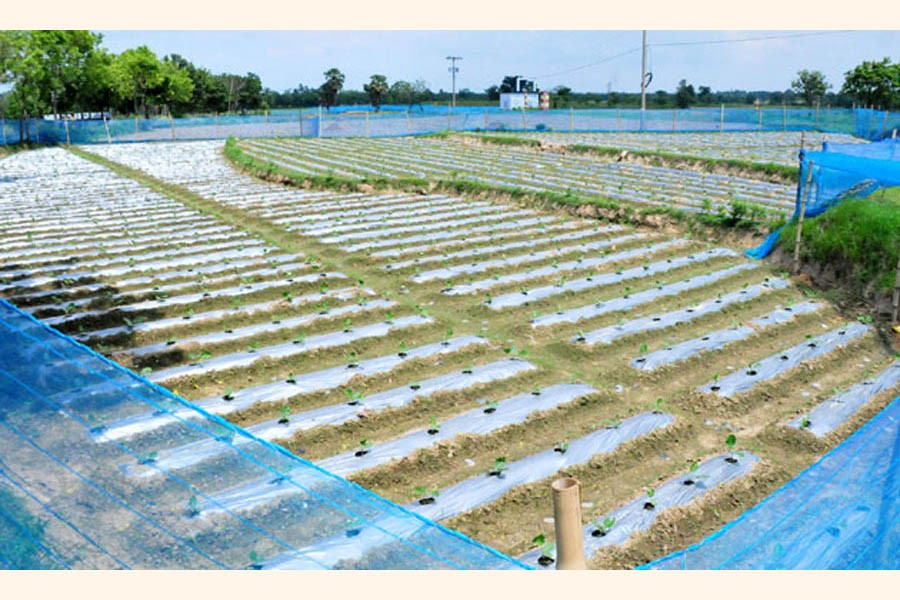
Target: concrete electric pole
[453,71]
[643,76]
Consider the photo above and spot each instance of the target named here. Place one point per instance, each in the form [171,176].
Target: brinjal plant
[603,527]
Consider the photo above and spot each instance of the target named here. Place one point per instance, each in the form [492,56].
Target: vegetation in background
[859,237]
[874,83]
[810,85]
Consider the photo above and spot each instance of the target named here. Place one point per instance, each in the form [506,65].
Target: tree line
[69,71]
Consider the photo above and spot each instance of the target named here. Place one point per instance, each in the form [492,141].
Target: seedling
[547,549]
[491,407]
[148,458]
[499,467]
[805,423]
[537,390]
[602,528]
[660,404]
[353,397]
[347,327]
[285,414]
[253,347]
[693,469]
[468,369]
[580,337]
[561,448]
[649,505]
[228,396]
[171,341]
[146,371]
[426,496]
[611,424]
[301,337]
[435,426]
[291,378]
[643,349]
[193,506]
[730,442]
[254,561]
[364,446]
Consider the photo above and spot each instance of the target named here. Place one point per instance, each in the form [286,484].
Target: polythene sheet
[843,512]
[829,415]
[64,503]
[638,516]
[772,366]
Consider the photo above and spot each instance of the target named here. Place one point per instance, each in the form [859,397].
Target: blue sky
[578,59]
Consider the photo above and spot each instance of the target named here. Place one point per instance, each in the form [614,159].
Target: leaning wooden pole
[800,218]
[895,301]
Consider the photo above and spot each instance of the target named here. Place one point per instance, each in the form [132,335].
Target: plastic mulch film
[64,502]
[776,364]
[614,528]
[829,415]
[843,512]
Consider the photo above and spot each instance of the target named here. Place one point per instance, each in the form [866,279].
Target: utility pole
[643,76]
[453,71]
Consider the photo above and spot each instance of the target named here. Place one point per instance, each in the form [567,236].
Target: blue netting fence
[841,513]
[70,499]
[361,121]
[839,172]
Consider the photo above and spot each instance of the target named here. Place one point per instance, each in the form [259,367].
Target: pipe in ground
[567,519]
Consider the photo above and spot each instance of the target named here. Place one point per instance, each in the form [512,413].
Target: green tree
[136,73]
[377,89]
[874,83]
[562,96]
[810,85]
[704,95]
[685,95]
[493,93]
[334,83]
[175,87]
[250,96]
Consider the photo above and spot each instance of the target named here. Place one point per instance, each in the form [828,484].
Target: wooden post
[618,119]
[66,124]
[722,119]
[895,302]
[571,119]
[319,123]
[783,116]
[171,123]
[449,116]
[367,123]
[809,172]
[802,140]
[759,110]
[567,523]
[408,124]
[135,124]
[817,114]
[3,130]
[524,122]
[106,125]
[674,118]
[884,124]
[300,121]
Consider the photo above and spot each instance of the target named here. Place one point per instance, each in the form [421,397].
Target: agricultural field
[523,169]
[780,148]
[454,355]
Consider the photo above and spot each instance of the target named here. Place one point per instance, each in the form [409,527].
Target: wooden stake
[135,124]
[896,299]
[300,121]
[3,130]
[817,114]
[783,116]
[524,122]
[802,140]
[884,124]
[319,123]
[66,124]
[618,119]
[809,172]
[759,110]
[722,119]
[106,125]
[571,119]
[367,123]
[409,125]
[171,123]
[486,122]
[674,118]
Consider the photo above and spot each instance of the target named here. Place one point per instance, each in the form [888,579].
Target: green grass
[861,235]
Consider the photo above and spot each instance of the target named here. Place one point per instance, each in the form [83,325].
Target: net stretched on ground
[69,499]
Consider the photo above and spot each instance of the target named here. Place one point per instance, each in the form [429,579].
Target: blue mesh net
[841,513]
[839,171]
[71,499]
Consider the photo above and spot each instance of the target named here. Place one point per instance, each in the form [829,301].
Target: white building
[519,100]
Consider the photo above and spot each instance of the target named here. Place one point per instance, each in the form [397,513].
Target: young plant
[426,496]
[193,506]
[491,407]
[649,504]
[254,561]
[285,413]
[435,427]
[499,467]
[291,378]
[546,548]
[354,398]
[603,527]
[228,396]
[730,442]
[561,448]
[364,446]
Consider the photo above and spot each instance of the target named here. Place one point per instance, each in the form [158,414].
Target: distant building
[520,100]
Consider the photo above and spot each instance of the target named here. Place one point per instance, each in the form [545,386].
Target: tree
[562,96]
[493,93]
[810,85]
[874,84]
[377,89]
[250,96]
[175,87]
[135,74]
[334,82]
[661,97]
[685,95]
[704,95]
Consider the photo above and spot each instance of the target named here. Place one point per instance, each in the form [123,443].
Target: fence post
[524,122]
[817,113]
[618,120]
[135,124]
[796,268]
[3,130]
[367,123]
[300,120]
[449,114]
[486,122]
[319,123]
[895,302]
[571,119]
[106,125]
[674,118]
[802,140]
[722,119]
[408,124]
[66,125]
[783,116]
[884,124]
[759,110]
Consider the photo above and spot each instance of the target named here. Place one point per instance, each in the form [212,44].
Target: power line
[599,62]
[755,39]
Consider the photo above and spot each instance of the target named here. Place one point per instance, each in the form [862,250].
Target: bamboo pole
[367,123]
[722,118]
[674,118]
[3,130]
[319,123]
[171,123]
[300,121]
[66,125]
[796,267]
[817,113]
[618,119]
[895,302]
[409,125]
[759,110]
[571,119]
[486,122]
[884,123]
[783,116]
[802,140]
[106,125]
[567,522]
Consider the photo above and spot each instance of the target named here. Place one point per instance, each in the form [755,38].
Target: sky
[582,60]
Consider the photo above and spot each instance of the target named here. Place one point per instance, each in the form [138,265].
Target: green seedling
[364,446]
[228,396]
[499,467]
[649,504]
[603,527]
[426,495]
[805,423]
[146,371]
[193,506]
[285,414]
[147,458]
[254,561]
[491,407]
[561,448]
[546,548]
[291,378]
[354,398]
[435,426]
[643,349]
